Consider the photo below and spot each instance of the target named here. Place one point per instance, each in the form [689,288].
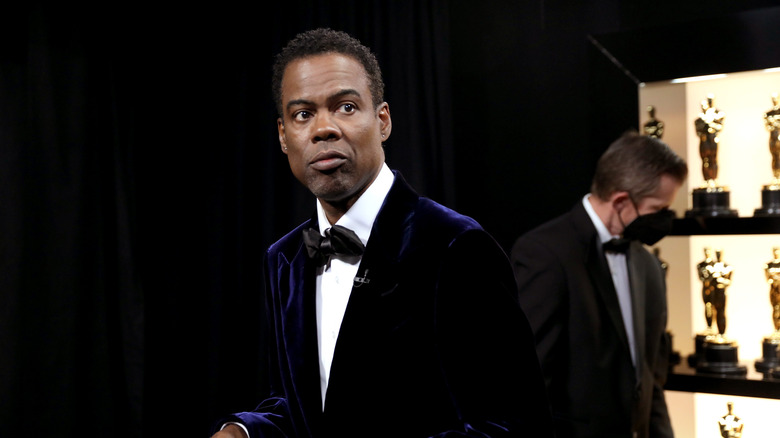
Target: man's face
[661,199]
[330,130]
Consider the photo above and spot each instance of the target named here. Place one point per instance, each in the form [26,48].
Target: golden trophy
[771,343]
[654,127]
[770,194]
[717,354]
[711,199]
[730,425]
[704,269]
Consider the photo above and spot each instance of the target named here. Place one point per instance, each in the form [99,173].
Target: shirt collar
[601,229]
[360,217]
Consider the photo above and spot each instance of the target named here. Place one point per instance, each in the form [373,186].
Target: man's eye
[348,108]
[301,115]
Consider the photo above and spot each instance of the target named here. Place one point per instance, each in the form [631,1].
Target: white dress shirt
[619,270]
[335,279]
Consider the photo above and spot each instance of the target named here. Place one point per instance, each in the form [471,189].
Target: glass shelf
[726,225]
[754,384]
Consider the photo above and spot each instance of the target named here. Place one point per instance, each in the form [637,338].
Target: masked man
[596,298]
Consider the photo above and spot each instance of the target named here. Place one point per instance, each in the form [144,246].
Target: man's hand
[230,431]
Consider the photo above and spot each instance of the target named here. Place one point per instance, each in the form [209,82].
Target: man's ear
[619,200]
[282,137]
[386,123]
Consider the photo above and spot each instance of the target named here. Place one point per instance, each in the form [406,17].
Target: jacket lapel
[602,280]
[636,274]
[598,271]
[376,277]
[299,325]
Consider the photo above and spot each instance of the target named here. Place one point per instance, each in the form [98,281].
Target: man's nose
[325,128]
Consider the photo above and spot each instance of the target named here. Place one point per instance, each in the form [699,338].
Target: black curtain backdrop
[71,309]
[141,178]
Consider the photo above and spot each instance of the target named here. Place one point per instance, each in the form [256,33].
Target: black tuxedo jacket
[434,344]
[566,289]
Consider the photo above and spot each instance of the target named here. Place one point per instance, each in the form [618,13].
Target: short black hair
[635,163]
[321,41]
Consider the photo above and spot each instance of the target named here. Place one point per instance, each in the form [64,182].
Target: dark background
[141,177]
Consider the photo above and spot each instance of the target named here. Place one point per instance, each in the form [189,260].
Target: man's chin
[331,193]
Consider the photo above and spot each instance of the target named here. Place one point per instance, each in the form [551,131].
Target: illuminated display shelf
[746,242]
[741,74]
[684,378]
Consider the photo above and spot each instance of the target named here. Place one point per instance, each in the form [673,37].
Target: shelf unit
[682,377]
[746,241]
[747,76]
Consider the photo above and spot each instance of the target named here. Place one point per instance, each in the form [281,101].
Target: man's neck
[334,210]
[375,190]
[607,214]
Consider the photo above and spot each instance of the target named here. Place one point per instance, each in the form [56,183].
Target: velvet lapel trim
[299,325]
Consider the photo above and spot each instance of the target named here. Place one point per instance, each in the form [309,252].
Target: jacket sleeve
[486,344]
[268,420]
[543,295]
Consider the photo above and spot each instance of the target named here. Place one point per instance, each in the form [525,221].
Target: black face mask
[650,228]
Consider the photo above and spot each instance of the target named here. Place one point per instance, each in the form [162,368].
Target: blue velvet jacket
[435,344]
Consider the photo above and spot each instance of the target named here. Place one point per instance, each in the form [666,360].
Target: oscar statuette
[704,269]
[653,127]
[770,194]
[771,343]
[712,199]
[716,354]
[730,425]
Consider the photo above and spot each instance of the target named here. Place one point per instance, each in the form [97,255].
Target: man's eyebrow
[297,102]
[334,96]
[345,92]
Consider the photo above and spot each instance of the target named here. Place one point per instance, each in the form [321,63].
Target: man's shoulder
[427,225]
[563,225]
[430,213]
[564,236]
[421,211]
[422,214]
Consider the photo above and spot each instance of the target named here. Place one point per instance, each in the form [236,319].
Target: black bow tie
[338,241]
[617,245]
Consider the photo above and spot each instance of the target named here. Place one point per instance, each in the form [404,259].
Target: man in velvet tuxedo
[390,315]
[599,312]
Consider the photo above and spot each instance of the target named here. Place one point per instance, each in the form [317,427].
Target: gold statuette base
[771,359]
[770,201]
[711,201]
[720,356]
